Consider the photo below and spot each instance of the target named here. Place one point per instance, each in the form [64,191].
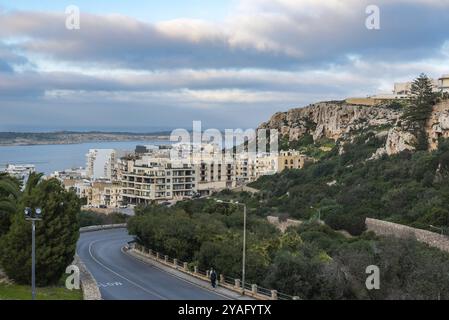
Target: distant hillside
[367,167]
[340,122]
[70,137]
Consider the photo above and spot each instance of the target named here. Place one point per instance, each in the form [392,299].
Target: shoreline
[24,143]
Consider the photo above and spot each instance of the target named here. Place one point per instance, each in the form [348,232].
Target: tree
[56,235]
[9,195]
[417,113]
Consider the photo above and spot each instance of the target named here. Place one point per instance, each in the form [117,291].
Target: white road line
[175,276]
[123,277]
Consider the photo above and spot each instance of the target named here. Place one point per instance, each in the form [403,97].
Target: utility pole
[244,250]
[33,218]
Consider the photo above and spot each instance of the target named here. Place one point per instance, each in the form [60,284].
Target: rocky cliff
[342,121]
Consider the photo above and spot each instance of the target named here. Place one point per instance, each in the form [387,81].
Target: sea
[51,158]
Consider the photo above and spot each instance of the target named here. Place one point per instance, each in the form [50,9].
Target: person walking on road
[213,278]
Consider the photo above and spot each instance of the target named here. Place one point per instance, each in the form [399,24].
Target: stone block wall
[385,228]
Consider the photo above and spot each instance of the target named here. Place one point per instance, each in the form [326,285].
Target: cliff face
[438,124]
[341,121]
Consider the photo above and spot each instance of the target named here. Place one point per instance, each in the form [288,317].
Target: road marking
[175,276]
[110,284]
[123,277]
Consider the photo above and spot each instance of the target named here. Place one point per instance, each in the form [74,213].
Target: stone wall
[245,189]
[283,225]
[88,283]
[105,227]
[385,228]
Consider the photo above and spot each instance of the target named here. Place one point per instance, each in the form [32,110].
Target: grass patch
[21,292]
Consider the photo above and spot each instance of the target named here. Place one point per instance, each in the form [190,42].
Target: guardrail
[102,227]
[251,290]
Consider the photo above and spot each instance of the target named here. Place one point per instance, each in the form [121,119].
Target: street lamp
[244,239]
[439,229]
[319,213]
[29,216]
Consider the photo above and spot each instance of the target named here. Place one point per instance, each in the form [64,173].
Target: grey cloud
[9,59]
[284,39]
[119,41]
[258,62]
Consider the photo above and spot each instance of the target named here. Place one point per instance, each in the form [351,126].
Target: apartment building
[292,159]
[266,164]
[245,169]
[96,194]
[444,83]
[20,171]
[404,89]
[104,193]
[214,177]
[102,163]
[158,175]
[146,179]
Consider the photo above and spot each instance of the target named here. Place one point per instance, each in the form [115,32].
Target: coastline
[78,138]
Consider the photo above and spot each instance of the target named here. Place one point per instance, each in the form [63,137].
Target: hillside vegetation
[382,162]
[311,261]
[408,188]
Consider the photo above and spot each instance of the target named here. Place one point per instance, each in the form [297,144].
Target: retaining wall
[88,284]
[104,227]
[386,228]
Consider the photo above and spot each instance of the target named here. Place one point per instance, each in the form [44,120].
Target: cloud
[266,56]
[262,34]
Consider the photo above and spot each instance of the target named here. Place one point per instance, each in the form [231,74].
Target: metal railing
[229,283]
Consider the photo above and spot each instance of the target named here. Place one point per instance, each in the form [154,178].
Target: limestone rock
[333,120]
[399,140]
[343,122]
[438,124]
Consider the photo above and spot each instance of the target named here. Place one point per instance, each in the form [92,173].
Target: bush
[90,218]
[355,225]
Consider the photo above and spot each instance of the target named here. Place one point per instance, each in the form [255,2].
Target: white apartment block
[101,163]
[20,171]
[149,179]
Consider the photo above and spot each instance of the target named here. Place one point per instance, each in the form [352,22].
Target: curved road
[121,277]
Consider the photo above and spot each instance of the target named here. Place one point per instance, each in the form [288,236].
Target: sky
[153,65]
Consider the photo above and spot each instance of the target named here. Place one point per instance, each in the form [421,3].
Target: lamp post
[319,213]
[439,229]
[37,216]
[244,240]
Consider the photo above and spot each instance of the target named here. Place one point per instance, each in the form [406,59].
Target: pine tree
[56,235]
[418,111]
[9,194]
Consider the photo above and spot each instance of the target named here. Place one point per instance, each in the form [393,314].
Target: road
[121,277]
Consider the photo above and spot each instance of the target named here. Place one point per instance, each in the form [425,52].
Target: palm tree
[32,182]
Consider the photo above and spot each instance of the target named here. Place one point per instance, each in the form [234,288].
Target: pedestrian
[213,278]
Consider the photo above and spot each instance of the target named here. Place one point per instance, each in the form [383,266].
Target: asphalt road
[121,277]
